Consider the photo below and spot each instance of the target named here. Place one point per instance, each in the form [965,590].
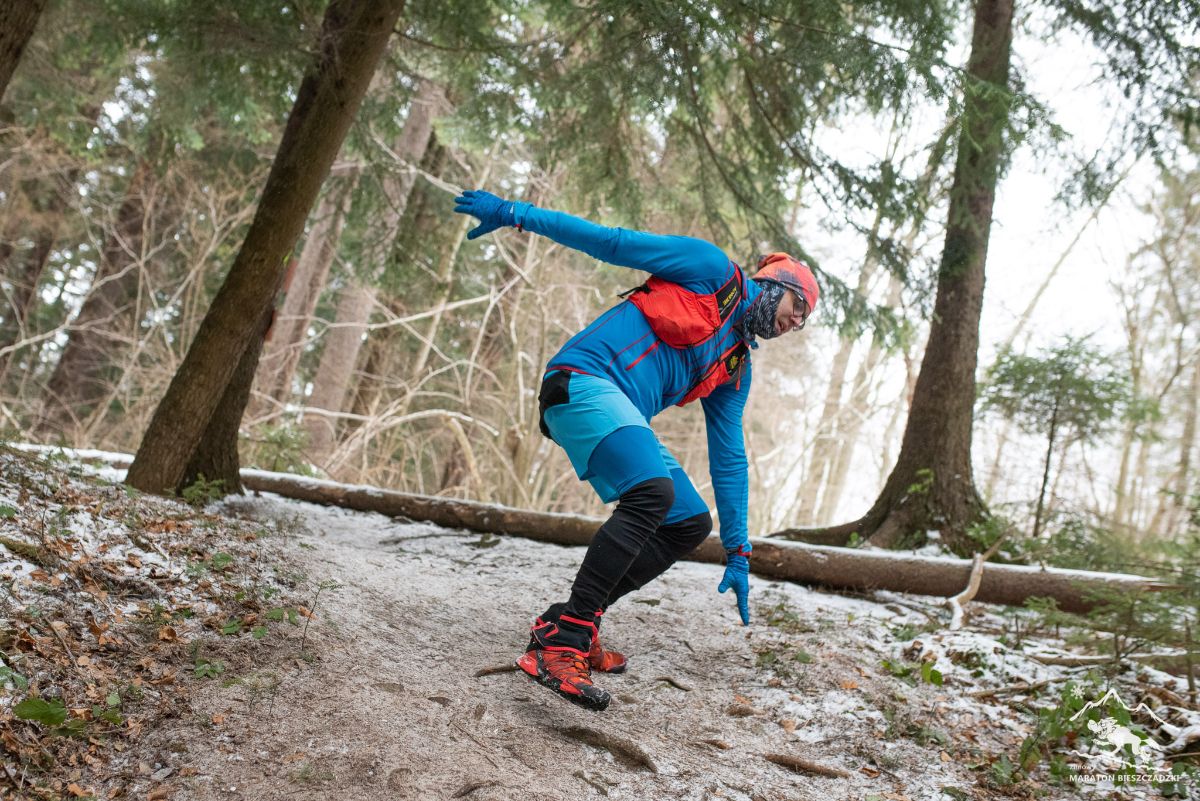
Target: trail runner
[684,335]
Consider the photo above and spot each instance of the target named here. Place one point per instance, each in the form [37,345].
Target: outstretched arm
[729,469]
[681,259]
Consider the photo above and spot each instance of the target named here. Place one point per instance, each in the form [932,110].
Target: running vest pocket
[554,390]
[729,367]
[682,318]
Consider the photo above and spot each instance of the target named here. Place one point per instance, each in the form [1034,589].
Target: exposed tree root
[489,671]
[806,766]
[678,685]
[30,553]
[472,786]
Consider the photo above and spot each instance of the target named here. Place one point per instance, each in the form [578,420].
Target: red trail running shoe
[567,673]
[604,660]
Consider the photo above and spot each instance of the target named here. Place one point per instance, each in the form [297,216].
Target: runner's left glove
[493,212]
[737,576]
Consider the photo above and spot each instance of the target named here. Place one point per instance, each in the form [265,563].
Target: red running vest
[684,320]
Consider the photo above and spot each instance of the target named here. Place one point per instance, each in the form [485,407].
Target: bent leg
[628,460]
[686,525]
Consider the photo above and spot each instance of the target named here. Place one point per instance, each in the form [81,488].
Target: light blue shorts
[611,445]
[596,409]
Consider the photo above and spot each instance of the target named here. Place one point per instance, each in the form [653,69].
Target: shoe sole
[552,684]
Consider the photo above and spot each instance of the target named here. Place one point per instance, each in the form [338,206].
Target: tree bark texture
[216,458]
[332,381]
[931,486]
[281,354]
[18,19]
[353,38]
[106,321]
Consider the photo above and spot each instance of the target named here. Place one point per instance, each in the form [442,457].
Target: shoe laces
[574,664]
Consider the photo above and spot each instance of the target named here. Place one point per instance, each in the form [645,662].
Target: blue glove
[737,576]
[493,212]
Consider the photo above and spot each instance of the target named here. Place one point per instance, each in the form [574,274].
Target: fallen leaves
[97,619]
[742,711]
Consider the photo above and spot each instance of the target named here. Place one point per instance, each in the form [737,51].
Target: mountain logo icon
[1108,731]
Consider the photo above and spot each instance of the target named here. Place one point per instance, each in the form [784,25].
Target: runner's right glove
[493,212]
[737,576]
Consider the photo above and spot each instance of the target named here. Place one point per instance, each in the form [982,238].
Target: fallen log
[819,565]
[863,569]
[1176,662]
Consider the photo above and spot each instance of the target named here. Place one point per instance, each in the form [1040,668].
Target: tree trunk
[216,457]
[865,569]
[424,223]
[353,38]
[18,19]
[1041,501]
[1171,515]
[23,268]
[1136,344]
[332,381]
[39,220]
[828,443]
[281,354]
[105,323]
[330,385]
[839,447]
[931,486]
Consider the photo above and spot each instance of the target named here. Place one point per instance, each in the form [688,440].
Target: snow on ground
[103,594]
[393,706]
[379,697]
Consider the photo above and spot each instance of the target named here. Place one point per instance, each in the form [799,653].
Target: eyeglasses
[800,305]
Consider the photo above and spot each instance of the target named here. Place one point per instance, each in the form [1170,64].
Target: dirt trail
[389,706]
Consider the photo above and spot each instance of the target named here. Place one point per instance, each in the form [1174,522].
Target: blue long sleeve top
[620,346]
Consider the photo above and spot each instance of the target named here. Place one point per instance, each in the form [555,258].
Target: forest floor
[263,648]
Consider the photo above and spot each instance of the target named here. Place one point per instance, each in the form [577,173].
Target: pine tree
[354,36]
[18,19]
